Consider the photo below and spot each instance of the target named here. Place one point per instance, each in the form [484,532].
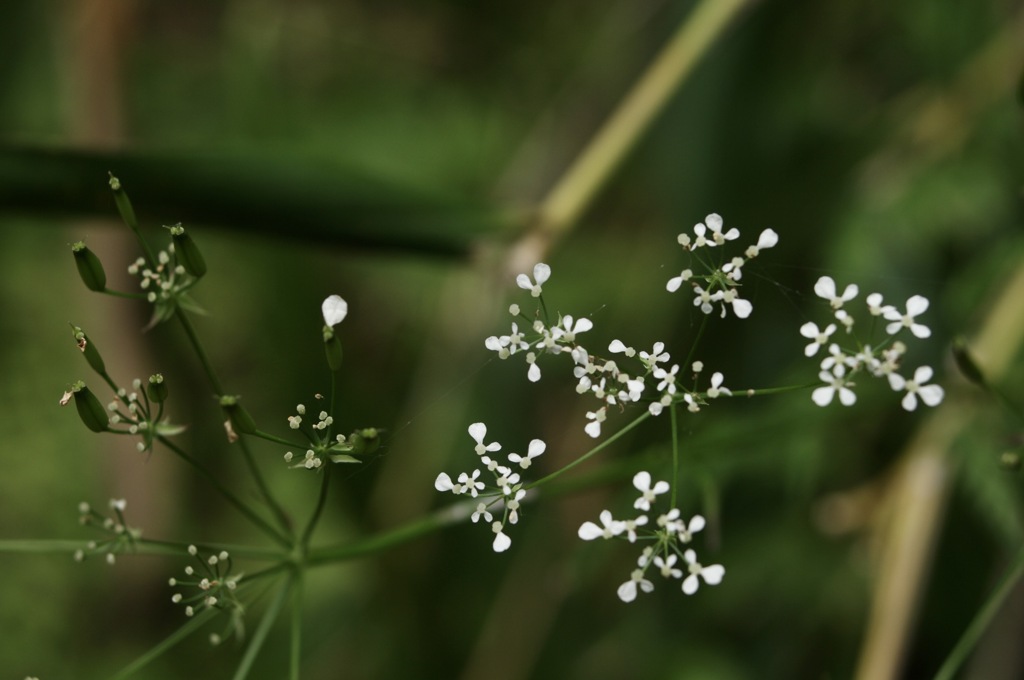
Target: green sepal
[89,267]
[124,206]
[241,421]
[965,362]
[187,252]
[89,351]
[156,389]
[90,410]
[333,349]
[342,458]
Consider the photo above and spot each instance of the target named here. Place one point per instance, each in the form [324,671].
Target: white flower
[642,482]
[537,447]
[676,281]
[533,372]
[593,428]
[837,361]
[468,483]
[444,483]
[705,298]
[481,511]
[875,305]
[335,310]
[741,308]
[610,527]
[631,525]
[716,388]
[916,306]
[714,230]
[818,336]
[931,395]
[826,288]
[501,541]
[667,378]
[478,431]
[627,591]
[656,356]
[513,505]
[619,347]
[712,575]
[686,531]
[571,329]
[822,396]
[767,239]
[666,566]
[541,273]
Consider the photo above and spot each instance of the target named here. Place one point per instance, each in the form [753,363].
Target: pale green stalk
[260,635]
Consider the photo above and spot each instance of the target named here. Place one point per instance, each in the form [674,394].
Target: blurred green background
[392,152]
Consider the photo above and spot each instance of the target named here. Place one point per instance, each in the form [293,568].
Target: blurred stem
[308,531]
[192,625]
[388,539]
[982,620]
[675,453]
[197,346]
[295,658]
[260,636]
[277,440]
[228,496]
[257,476]
[576,189]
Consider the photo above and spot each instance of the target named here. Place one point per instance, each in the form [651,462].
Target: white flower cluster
[322,444]
[841,364]
[720,283]
[654,381]
[121,539]
[507,492]
[140,417]
[669,533]
[162,281]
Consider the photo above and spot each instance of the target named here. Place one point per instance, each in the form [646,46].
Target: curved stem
[197,346]
[260,636]
[307,533]
[591,452]
[189,627]
[675,452]
[257,476]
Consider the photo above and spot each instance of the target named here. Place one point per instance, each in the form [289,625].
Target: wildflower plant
[639,378]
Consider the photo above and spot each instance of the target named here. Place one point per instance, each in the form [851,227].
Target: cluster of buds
[121,537]
[215,588]
[323,445]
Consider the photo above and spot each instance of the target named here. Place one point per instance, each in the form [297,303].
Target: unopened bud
[124,206]
[187,252]
[965,362]
[241,421]
[333,349]
[156,390]
[364,441]
[89,267]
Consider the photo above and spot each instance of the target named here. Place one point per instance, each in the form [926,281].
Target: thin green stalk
[228,496]
[254,470]
[982,619]
[244,551]
[277,440]
[307,533]
[607,442]
[197,346]
[191,626]
[389,539]
[120,294]
[260,636]
[675,452]
[696,341]
[296,632]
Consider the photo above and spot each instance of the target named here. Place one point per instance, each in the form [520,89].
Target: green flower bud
[90,410]
[364,441]
[187,252]
[332,346]
[965,362]
[240,419]
[89,267]
[124,206]
[156,390]
[89,351]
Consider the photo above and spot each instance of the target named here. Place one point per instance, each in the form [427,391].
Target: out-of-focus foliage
[881,140]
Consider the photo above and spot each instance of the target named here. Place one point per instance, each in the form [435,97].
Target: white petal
[642,480]
[847,397]
[696,524]
[768,239]
[523,281]
[931,394]
[335,309]
[909,401]
[443,482]
[541,273]
[822,396]
[583,325]
[533,373]
[690,584]
[627,591]
[897,382]
[593,428]
[714,222]
[616,347]
[742,308]
[673,284]
[713,575]
[917,305]
[478,431]
[825,288]
[661,487]
[922,375]
[589,531]
[920,330]
[537,447]
[809,330]
[501,542]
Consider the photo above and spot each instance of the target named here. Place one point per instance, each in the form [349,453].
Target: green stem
[696,341]
[260,636]
[191,626]
[607,442]
[228,496]
[254,470]
[982,619]
[197,346]
[321,501]
[244,551]
[120,294]
[407,532]
[277,440]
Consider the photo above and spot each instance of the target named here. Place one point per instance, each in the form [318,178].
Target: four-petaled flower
[931,395]
[826,288]
[541,273]
[642,482]
[916,305]
[712,575]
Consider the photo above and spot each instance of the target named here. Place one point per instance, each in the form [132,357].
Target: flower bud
[241,421]
[89,267]
[156,390]
[332,347]
[965,362]
[89,351]
[90,410]
[124,206]
[364,441]
[187,252]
